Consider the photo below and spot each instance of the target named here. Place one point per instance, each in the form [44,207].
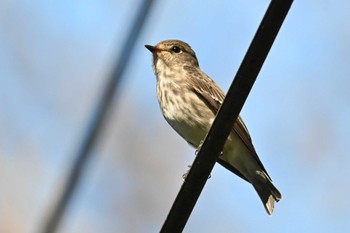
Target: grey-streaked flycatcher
[189,100]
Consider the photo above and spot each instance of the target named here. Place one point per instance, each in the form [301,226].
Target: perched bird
[189,100]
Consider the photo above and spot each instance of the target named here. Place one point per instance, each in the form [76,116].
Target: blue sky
[55,57]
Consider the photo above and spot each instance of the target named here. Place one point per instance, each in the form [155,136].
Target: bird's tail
[267,192]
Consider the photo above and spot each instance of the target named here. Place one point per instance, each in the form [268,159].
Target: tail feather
[268,194]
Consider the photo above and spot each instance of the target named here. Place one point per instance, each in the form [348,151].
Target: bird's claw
[184,176]
[199,147]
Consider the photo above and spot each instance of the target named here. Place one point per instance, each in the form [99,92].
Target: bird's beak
[151,48]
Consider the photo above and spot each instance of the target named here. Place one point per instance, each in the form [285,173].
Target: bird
[189,100]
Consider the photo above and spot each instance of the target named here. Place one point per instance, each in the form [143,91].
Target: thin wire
[95,125]
[227,115]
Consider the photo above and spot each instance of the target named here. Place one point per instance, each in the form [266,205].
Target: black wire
[227,115]
[98,118]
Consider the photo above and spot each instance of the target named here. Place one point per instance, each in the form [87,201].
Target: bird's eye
[176,49]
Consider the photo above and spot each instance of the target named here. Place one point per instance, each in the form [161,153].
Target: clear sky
[55,57]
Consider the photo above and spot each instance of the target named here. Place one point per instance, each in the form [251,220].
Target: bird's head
[172,53]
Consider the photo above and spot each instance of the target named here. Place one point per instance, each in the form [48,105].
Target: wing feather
[213,96]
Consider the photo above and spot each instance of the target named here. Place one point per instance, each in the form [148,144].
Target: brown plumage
[189,100]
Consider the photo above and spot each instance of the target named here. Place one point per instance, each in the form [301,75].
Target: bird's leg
[199,147]
[189,166]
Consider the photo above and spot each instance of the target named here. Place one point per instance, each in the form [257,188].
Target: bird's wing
[206,88]
[213,96]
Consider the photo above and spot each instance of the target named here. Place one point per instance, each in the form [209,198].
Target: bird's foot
[184,176]
[199,147]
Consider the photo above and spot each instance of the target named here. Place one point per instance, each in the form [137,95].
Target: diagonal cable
[94,127]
